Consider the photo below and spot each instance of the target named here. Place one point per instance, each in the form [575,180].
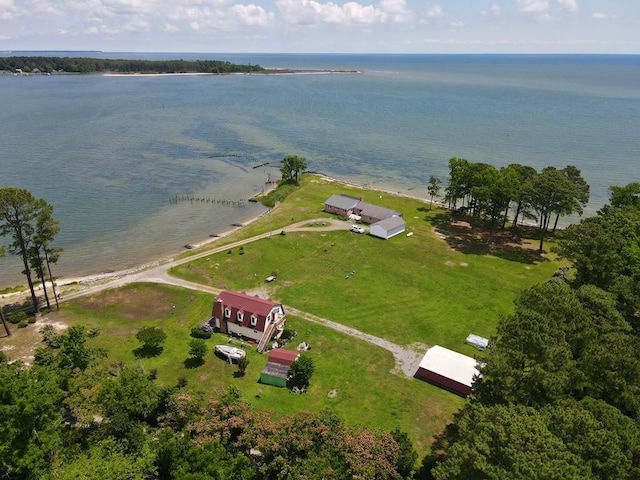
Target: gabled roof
[343,202]
[391,223]
[276,370]
[374,211]
[284,357]
[450,364]
[246,303]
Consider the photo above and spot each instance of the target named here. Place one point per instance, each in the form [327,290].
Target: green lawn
[406,289]
[365,391]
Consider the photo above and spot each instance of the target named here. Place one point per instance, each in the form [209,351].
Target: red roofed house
[249,316]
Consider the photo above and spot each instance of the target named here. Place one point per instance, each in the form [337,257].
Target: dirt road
[407,357]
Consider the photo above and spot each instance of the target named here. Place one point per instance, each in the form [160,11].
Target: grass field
[434,287]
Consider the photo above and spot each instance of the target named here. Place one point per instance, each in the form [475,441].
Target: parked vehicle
[357,229]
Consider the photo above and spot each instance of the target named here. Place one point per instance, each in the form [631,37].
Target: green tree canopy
[292,166]
[19,211]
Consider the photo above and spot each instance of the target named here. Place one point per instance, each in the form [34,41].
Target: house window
[269,318]
[240,315]
[254,320]
[227,313]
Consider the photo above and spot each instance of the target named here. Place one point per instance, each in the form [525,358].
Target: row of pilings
[175,199]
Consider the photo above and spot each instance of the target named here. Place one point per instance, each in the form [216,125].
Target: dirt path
[407,357]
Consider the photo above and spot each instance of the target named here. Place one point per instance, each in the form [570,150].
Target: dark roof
[284,357]
[374,211]
[391,223]
[246,303]
[276,370]
[343,202]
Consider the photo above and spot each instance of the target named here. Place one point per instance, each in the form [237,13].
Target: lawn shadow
[193,362]
[147,351]
[508,245]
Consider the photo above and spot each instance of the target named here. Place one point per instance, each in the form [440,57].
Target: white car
[357,229]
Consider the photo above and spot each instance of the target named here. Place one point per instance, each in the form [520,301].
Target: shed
[448,369]
[388,227]
[275,374]
[283,357]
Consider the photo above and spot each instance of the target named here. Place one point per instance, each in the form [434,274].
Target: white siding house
[388,227]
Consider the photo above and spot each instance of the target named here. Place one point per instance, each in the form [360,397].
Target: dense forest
[102,65]
[559,392]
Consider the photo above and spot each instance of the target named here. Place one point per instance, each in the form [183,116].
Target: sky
[319,26]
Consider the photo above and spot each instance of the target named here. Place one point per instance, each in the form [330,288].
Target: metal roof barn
[448,369]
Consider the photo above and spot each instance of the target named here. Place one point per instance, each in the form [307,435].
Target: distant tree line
[95,65]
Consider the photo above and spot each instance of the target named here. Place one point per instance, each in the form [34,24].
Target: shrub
[50,336]
[17,317]
[94,332]
[22,323]
[32,320]
[197,332]
[243,363]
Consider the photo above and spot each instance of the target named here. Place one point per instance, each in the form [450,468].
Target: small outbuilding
[276,371]
[388,227]
[448,369]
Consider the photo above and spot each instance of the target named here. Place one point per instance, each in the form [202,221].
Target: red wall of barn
[443,382]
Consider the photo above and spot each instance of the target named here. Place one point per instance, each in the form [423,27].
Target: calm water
[110,152]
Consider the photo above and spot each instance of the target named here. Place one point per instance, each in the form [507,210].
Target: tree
[292,165]
[456,188]
[198,350]
[561,343]
[301,371]
[18,212]
[627,196]
[42,254]
[243,363]
[524,174]
[604,250]
[30,430]
[152,339]
[492,192]
[505,441]
[407,455]
[433,188]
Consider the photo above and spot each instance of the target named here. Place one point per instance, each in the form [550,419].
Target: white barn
[448,369]
[388,227]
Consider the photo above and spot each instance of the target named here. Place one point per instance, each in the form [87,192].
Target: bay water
[120,157]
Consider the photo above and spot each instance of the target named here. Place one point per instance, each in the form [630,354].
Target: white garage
[388,227]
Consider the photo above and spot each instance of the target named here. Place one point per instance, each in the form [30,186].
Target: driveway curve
[407,358]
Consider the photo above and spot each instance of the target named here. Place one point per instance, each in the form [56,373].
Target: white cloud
[435,11]
[459,24]
[535,6]
[494,10]
[305,12]
[8,10]
[251,14]
[539,6]
[600,16]
[547,18]
[571,5]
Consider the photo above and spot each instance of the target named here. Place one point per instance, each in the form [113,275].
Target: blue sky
[310,26]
